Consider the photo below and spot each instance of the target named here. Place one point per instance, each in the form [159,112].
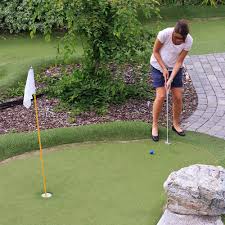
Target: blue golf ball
[152,152]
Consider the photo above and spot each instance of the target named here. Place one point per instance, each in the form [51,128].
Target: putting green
[113,183]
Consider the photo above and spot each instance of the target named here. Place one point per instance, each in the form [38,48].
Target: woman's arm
[177,67]
[157,46]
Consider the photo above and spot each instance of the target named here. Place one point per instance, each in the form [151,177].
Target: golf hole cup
[151,152]
[46,195]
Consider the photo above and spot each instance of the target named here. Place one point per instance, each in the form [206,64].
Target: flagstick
[40,145]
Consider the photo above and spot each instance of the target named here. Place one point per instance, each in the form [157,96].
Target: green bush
[17,16]
[213,2]
[180,2]
[113,32]
[111,28]
[82,91]
[192,2]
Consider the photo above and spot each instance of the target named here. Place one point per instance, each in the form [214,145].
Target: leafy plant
[111,28]
[112,33]
[17,16]
[16,91]
[213,3]
[83,92]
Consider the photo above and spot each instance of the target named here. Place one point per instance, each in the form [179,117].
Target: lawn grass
[191,12]
[110,182]
[19,52]
[208,36]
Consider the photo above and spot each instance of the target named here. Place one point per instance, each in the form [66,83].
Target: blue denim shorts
[158,78]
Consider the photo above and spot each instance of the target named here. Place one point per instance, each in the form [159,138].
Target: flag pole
[29,94]
[40,145]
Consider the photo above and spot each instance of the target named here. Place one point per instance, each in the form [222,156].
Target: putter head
[168,143]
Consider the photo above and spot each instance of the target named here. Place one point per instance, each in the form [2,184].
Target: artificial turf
[99,183]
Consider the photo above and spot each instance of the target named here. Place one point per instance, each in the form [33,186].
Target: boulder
[170,218]
[196,190]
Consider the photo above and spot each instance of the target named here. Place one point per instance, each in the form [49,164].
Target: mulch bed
[20,119]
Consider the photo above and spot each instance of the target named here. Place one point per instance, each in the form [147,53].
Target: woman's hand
[168,84]
[165,74]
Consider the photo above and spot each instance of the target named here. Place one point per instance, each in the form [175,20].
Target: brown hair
[182,28]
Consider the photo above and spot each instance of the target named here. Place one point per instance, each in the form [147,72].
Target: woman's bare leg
[177,95]
[157,107]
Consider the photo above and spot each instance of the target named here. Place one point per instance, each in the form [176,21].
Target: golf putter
[167,118]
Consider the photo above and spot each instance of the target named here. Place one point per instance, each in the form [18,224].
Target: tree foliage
[46,15]
[113,35]
[111,28]
[213,3]
[18,15]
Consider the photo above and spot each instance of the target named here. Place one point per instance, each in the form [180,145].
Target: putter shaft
[167,117]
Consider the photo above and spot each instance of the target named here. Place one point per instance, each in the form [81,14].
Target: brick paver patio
[208,76]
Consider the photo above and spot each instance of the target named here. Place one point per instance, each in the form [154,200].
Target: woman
[170,49]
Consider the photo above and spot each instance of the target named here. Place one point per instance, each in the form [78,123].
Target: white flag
[29,89]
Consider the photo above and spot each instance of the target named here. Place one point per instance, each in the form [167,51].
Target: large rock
[170,218]
[196,190]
